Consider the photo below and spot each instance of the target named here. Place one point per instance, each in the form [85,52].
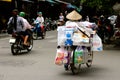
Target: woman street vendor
[72,36]
[85,29]
[74,21]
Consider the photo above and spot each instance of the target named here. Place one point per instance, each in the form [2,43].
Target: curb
[3,35]
[111,47]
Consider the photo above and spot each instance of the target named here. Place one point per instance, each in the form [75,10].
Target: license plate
[12,40]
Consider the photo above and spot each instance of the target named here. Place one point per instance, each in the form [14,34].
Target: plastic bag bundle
[78,55]
[61,35]
[59,56]
[62,56]
[69,36]
[97,43]
[66,57]
[80,38]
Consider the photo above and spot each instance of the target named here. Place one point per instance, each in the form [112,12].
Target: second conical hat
[74,15]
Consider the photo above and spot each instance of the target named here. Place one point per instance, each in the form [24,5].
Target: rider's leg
[25,40]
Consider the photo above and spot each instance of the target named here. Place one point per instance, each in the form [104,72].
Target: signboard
[7,0]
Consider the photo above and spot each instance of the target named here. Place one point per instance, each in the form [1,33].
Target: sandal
[26,44]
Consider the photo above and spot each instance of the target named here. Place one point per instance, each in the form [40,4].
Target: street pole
[16,5]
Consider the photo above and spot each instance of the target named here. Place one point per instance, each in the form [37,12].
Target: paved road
[39,63]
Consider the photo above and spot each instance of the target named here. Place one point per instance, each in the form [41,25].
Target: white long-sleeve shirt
[26,24]
[40,19]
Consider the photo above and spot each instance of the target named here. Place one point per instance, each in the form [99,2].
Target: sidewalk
[2,35]
[111,47]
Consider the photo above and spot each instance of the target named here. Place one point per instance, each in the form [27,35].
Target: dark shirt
[118,22]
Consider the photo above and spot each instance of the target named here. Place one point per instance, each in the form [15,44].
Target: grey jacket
[19,24]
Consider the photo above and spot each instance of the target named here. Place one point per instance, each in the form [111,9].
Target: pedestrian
[61,19]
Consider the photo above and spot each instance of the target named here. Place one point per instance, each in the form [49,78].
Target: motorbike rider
[74,22]
[40,19]
[27,28]
[16,21]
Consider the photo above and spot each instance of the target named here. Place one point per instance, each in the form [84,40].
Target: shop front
[5,9]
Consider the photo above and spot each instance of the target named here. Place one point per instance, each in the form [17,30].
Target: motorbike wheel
[35,36]
[89,63]
[15,49]
[31,45]
[75,68]
[43,35]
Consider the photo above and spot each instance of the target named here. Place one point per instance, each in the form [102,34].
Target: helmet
[22,14]
[39,13]
[14,10]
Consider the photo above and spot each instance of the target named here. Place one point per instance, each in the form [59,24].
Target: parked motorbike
[17,45]
[54,24]
[38,30]
[48,26]
[116,36]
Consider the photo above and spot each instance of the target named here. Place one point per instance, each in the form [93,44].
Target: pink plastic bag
[97,43]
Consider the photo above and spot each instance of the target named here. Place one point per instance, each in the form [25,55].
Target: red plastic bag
[59,56]
[42,28]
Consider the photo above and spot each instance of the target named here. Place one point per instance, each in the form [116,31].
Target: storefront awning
[74,7]
[50,1]
[27,0]
[62,2]
[7,0]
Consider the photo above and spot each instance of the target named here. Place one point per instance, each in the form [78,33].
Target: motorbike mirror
[33,19]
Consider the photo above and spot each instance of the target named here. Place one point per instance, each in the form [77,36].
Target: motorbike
[48,26]
[54,24]
[17,45]
[38,30]
[116,36]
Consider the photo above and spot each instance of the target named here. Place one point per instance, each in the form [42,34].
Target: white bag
[59,56]
[61,35]
[97,43]
[78,38]
[69,36]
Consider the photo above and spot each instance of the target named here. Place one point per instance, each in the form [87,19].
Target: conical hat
[74,15]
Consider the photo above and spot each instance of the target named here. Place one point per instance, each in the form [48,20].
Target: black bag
[29,31]
[10,27]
